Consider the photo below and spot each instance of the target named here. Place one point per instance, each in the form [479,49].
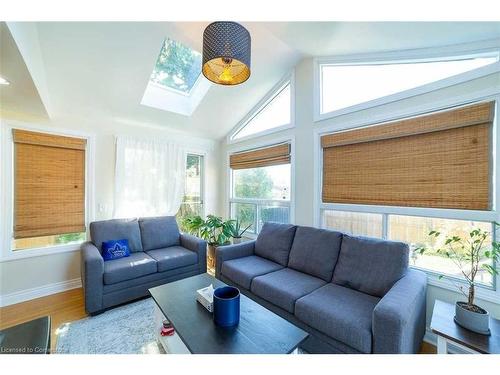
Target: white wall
[24,278]
[304,149]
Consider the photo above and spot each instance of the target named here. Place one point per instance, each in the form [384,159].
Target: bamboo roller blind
[263,157]
[49,184]
[439,160]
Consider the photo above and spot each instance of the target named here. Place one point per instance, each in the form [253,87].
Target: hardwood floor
[62,307]
[69,306]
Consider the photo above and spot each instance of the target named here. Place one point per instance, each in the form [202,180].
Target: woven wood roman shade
[49,184]
[262,157]
[438,160]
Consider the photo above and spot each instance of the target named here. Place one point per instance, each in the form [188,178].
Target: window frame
[288,79]
[229,187]
[7,189]
[490,48]
[483,292]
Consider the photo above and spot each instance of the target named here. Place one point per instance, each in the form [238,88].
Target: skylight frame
[288,79]
[488,48]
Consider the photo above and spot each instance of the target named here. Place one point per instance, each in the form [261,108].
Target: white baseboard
[37,292]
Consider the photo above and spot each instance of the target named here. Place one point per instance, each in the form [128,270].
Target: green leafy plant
[213,229]
[236,231]
[467,254]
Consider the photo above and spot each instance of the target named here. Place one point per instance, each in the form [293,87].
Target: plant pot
[236,240]
[211,255]
[476,321]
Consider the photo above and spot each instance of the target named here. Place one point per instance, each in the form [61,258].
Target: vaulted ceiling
[101,69]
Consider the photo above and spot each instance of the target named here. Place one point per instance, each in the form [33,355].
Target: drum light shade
[226,53]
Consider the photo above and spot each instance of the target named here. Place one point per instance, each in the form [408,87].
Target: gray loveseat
[351,294]
[159,254]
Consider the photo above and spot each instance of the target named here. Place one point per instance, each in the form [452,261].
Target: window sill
[14,255]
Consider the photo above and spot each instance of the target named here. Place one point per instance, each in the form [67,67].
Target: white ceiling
[101,70]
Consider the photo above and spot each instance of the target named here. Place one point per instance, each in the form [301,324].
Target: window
[178,67]
[192,203]
[49,190]
[261,188]
[415,231]
[176,83]
[355,223]
[274,113]
[343,85]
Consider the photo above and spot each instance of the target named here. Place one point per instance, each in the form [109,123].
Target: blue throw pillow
[115,249]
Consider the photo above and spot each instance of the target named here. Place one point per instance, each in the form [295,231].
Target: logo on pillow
[115,249]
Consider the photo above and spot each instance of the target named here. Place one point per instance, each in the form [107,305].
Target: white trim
[40,291]
[7,189]
[485,48]
[268,98]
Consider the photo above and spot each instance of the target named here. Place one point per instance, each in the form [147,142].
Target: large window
[275,112]
[261,192]
[49,190]
[344,85]
[192,202]
[403,179]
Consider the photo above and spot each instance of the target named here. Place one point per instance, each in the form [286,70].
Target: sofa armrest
[223,253]
[399,318]
[92,271]
[197,245]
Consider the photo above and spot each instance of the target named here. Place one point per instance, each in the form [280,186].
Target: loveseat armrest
[223,253]
[92,273]
[398,324]
[197,245]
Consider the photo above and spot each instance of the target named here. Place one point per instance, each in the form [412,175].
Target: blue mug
[226,306]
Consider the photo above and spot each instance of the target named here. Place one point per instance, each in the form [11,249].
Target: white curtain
[149,177]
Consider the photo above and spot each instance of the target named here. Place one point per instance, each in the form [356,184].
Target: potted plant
[237,232]
[467,254]
[213,229]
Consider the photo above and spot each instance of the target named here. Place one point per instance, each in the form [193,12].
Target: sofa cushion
[116,229]
[159,232]
[136,265]
[315,251]
[370,265]
[274,242]
[242,270]
[173,257]
[282,288]
[341,313]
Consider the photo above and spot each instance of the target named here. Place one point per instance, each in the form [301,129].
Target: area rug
[128,329]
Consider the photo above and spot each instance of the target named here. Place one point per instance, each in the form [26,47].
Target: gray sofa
[159,254]
[351,294]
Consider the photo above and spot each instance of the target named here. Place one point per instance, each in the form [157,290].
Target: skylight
[176,83]
[178,67]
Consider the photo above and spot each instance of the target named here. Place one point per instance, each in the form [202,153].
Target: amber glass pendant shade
[226,53]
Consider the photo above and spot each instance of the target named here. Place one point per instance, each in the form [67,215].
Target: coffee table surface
[259,330]
[31,337]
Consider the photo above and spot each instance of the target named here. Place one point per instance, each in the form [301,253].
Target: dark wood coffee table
[31,337]
[449,332]
[259,331]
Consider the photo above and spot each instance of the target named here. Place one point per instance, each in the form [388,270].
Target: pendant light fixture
[226,53]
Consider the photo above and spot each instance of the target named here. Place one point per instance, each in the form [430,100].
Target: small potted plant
[467,254]
[237,232]
[213,229]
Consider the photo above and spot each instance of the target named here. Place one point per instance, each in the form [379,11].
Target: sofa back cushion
[159,232]
[370,265]
[116,229]
[315,251]
[274,242]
